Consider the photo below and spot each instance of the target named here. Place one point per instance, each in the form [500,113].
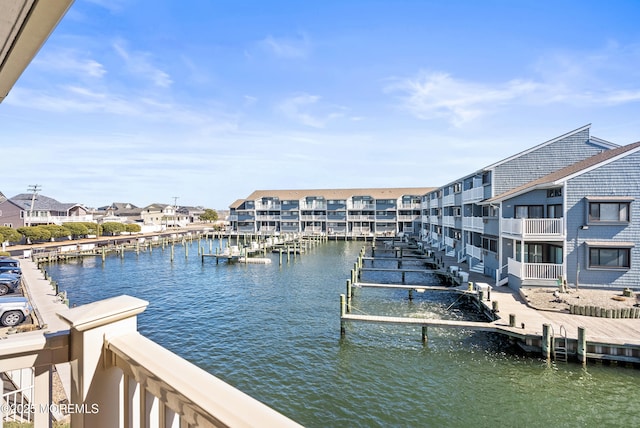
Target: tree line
[47,232]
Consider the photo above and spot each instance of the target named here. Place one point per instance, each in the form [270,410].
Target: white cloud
[287,47]
[604,77]
[139,63]
[70,61]
[306,109]
[439,95]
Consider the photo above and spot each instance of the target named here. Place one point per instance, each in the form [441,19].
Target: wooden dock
[558,335]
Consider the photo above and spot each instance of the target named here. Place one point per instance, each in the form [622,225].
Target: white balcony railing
[449,221]
[448,200]
[408,217]
[362,217]
[409,206]
[360,205]
[473,223]
[473,195]
[532,228]
[263,217]
[473,251]
[534,270]
[119,378]
[313,205]
[268,206]
[309,217]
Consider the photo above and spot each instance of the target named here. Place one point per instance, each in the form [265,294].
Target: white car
[14,310]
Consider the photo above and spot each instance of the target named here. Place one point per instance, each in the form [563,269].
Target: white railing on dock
[119,378]
[534,270]
[533,227]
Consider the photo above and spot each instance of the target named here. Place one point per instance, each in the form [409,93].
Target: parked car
[9,283]
[6,261]
[14,310]
[10,269]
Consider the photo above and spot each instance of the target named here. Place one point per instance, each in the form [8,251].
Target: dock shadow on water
[274,332]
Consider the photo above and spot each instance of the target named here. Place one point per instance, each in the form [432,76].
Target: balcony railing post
[96,385]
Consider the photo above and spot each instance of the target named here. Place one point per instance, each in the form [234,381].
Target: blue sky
[206,101]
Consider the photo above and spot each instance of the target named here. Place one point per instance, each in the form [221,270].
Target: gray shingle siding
[544,160]
[618,178]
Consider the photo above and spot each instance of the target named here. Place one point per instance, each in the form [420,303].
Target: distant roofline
[294,194]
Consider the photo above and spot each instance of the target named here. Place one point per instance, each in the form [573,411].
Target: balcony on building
[473,223]
[533,228]
[535,271]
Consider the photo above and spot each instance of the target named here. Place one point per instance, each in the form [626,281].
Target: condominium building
[336,212]
[564,209]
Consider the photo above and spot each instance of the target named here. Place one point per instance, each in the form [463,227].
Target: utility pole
[34,189]
[175,210]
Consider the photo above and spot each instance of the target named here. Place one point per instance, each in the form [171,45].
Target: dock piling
[582,345]
[343,308]
[546,341]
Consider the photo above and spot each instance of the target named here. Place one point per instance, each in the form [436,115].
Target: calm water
[273,332]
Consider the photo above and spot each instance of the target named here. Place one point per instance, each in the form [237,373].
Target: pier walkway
[534,330]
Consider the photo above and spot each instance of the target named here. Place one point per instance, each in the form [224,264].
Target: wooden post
[582,345]
[410,294]
[349,295]
[172,251]
[546,341]
[280,259]
[217,255]
[342,313]
[186,250]
[425,337]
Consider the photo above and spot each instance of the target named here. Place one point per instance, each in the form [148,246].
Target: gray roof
[562,174]
[41,203]
[376,193]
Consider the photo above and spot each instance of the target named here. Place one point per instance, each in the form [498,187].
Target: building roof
[561,175]
[41,203]
[341,194]
[597,141]
[24,27]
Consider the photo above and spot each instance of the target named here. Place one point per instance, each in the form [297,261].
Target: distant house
[26,210]
[120,212]
[192,213]
[163,215]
